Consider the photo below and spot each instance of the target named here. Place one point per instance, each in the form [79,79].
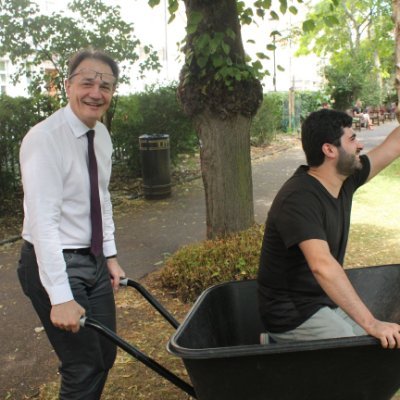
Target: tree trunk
[226,172]
[396,20]
[221,108]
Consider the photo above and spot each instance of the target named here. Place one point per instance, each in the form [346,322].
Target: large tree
[220,90]
[361,54]
[34,41]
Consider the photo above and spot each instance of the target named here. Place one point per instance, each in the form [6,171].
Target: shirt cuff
[109,248]
[60,294]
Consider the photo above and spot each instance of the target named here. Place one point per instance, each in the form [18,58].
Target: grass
[374,240]
[375,230]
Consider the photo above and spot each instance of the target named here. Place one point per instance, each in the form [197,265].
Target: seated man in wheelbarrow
[304,293]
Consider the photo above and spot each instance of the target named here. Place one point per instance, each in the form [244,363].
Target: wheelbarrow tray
[218,342]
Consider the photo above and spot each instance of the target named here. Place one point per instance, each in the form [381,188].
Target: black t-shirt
[302,210]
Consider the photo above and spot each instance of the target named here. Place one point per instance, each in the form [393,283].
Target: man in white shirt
[59,270]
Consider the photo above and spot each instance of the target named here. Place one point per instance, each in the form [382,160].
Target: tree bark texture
[396,20]
[222,119]
[226,172]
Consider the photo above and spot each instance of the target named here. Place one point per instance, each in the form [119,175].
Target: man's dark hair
[98,55]
[323,126]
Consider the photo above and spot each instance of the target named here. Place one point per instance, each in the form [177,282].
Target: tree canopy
[32,40]
[356,38]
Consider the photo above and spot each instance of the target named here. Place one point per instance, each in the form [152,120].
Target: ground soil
[137,321]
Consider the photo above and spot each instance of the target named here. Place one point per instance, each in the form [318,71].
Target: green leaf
[202,61]
[217,61]
[280,68]
[257,65]
[274,15]
[196,17]
[193,23]
[203,42]
[231,34]
[308,25]
[267,4]
[153,3]
[293,10]
[191,28]
[275,33]
[283,7]
[262,56]
[226,48]
[271,47]
[173,6]
[331,20]
[214,44]
[260,12]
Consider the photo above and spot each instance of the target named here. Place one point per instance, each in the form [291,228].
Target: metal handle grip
[151,299]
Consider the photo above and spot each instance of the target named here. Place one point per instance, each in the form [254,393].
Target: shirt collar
[77,126]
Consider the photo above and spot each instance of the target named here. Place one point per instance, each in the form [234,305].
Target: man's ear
[329,150]
[67,85]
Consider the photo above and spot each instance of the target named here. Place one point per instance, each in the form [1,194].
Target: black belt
[85,251]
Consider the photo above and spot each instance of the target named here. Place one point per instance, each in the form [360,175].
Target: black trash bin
[155,158]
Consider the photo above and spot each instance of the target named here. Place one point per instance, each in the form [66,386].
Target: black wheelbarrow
[219,344]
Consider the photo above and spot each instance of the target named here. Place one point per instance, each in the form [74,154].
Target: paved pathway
[143,239]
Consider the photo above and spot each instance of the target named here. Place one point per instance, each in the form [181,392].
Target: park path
[144,237]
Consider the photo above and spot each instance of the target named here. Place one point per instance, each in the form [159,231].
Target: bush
[155,111]
[195,267]
[273,116]
[268,120]
[17,116]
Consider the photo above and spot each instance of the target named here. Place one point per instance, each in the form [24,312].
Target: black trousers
[85,357]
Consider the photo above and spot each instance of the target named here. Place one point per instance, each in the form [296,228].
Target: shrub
[268,120]
[273,116]
[195,267]
[17,116]
[155,111]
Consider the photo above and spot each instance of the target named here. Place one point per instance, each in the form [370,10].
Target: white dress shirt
[55,178]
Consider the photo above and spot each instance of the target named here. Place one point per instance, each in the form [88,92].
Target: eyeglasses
[90,75]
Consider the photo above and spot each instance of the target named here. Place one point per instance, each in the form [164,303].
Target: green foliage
[195,267]
[349,23]
[361,63]
[351,78]
[272,117]
[268,120]
[312,101]
[32,40]
[17,116]
[155,111]
[213,47]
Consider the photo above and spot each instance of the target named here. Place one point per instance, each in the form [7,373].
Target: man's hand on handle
[115,271]
[66,316]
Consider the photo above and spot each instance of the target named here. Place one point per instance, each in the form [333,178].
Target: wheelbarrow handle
[151,299]
[140,356]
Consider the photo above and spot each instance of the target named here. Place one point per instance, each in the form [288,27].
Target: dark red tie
[96,245]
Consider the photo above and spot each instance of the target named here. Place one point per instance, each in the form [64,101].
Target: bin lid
[154,136]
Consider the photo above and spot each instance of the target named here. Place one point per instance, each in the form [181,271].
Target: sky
[150,26]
